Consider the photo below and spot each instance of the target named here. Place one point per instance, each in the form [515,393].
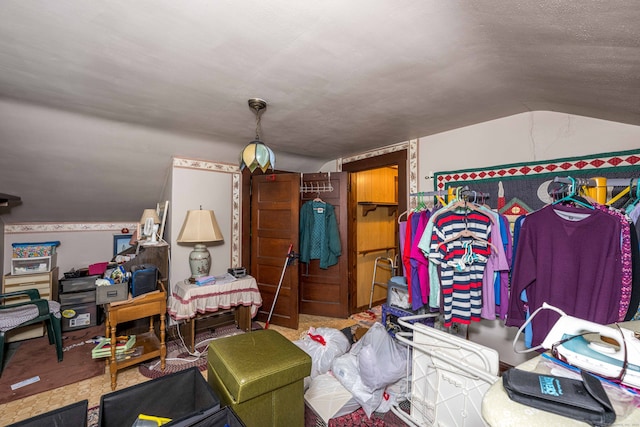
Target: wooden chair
[16,311]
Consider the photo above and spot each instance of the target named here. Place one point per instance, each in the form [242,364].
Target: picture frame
[162,209]
[121,242]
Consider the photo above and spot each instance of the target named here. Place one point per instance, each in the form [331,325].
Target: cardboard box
[112,293]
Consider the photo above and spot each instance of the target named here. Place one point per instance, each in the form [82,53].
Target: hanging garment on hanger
[319,238]
[569,258]
[502,281]
[625,262]
[461,262]
[424,244]
[420,265]
[634,304]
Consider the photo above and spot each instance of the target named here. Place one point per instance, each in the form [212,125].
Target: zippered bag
[583,400]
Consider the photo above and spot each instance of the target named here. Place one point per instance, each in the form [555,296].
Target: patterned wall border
[65,227]
[375,153]
[622,159]
[235,196]
[412,154]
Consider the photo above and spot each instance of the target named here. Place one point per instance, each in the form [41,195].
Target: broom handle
[275,298]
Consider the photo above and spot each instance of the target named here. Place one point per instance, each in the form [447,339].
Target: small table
[147,305]
[191,302]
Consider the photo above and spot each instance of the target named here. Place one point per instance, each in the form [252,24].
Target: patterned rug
[368,317]
[93,415]
[178,357]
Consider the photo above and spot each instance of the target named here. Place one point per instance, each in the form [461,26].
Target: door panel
[274,226]
[326,292]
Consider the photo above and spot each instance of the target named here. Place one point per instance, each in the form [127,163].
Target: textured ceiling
[340,77]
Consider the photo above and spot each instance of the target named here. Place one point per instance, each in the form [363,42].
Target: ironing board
[450,376]
[500,411]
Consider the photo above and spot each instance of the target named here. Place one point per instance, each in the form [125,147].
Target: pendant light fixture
[256,154]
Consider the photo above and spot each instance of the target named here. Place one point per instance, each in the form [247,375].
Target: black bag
[144,279]
[583,400]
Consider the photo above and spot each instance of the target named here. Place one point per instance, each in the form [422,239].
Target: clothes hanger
[573,197]
[633,198]
[466,233]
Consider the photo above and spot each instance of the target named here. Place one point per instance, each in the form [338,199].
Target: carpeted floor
[35,360]
[93,388]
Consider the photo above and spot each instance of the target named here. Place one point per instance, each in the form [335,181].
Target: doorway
[358,285]
[378,193]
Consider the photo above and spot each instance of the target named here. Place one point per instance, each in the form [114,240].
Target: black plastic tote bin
[225,417]
[184,397]
[74,415]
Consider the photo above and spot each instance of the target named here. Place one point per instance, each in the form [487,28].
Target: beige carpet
[307,321]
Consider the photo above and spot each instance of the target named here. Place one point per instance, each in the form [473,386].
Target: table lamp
[200,227]
[149,222]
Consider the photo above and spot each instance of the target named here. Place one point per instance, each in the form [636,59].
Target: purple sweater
[573,265]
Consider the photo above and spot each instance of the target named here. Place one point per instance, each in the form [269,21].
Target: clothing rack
[596,187]
[315,186]
[440,193]
[589,182]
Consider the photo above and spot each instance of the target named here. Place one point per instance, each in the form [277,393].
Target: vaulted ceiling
[340,77]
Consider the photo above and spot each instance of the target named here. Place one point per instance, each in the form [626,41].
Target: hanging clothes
[319,238]
[568,257]
[419,265]
[503,279]
[462,262]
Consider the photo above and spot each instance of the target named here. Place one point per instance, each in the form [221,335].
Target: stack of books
[123,345]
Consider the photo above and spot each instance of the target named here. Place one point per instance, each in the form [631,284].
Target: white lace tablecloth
[187,300]
[500,411]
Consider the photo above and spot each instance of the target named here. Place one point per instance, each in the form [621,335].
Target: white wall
[527,137]
[78,249]
[192,189]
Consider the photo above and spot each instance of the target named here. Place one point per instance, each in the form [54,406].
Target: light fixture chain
[257,124]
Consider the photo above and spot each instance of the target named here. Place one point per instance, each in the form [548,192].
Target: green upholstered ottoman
[261,376]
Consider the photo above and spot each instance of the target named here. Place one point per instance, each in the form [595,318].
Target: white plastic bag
[345,369]
[323,345]
[382,360]
[393,395]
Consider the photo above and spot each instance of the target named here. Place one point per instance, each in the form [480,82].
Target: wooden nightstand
[147,305]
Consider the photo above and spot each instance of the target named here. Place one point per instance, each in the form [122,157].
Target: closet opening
[377,194]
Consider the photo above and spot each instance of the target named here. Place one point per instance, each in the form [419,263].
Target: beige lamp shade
[200,226]
[150,213]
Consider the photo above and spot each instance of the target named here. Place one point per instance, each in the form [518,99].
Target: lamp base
[199,261]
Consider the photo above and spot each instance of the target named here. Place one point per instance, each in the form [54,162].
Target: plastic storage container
[74,415]
[33,265]
[30,250]
[184,396]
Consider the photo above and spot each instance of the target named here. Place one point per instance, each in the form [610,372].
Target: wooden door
[325,292]
[274,227]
